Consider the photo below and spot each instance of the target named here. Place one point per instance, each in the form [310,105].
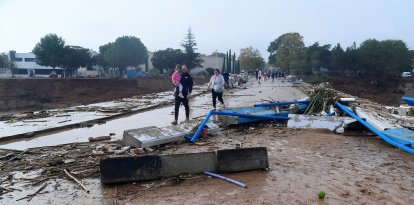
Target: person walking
[186,82]
[217,87]
[274,74]
[259,75]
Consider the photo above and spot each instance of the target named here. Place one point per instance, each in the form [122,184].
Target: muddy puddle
[159,117]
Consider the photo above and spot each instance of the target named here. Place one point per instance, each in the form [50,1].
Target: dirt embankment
[383,92]
[35,94]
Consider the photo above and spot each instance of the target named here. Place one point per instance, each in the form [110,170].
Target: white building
[209,62]
[26,66]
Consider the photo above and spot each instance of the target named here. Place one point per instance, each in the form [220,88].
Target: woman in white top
[217,87]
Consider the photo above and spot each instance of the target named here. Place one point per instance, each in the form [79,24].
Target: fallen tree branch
[76,180]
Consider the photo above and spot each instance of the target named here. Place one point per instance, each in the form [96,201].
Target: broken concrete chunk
[124,169]
[193,163]
[244,159]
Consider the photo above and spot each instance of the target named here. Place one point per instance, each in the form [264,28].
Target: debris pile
[322,100]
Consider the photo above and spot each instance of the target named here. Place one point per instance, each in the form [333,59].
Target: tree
[234,63]
[317,56]
[99,59]
[288,52]
[50,50]
[189,44]
[337,58]
[3,60]
[167,59]
[126,51]
[251,59]
[76,57]
[229,62]
[382,58]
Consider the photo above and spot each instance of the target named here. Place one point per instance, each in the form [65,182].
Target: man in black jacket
[187,83]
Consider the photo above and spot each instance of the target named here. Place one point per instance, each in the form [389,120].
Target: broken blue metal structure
[409,100]
[233,113]
[398,139]
[281,103]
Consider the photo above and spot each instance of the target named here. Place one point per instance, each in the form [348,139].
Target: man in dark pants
[187,83]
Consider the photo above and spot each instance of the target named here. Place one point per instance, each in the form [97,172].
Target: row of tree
[372,58]
[124,52]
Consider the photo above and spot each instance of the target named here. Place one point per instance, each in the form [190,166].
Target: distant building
[209,62]
[26,66]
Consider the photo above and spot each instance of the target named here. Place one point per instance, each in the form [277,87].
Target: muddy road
[302,162]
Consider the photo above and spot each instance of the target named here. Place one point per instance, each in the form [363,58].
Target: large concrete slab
[236,160]
[152,136]
[193,163]
[124,169]
[316,122]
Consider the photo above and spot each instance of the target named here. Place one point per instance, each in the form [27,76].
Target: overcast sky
[216,24]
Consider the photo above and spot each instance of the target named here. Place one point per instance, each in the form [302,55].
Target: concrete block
[124,169]
[193,163]
[152,136]
[235,160]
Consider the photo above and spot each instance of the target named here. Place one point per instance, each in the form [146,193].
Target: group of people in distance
[183,83]
[267,74]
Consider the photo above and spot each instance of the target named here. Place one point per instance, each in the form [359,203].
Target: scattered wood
[64,121]
[100,138]
[62,115]
[13,158]
[76,180]
[30,196]
[29,121]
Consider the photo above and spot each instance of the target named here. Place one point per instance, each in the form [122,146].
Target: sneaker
[181,95]
[174,122]
[187,119]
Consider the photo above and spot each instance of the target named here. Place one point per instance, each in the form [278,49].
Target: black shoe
[174,122]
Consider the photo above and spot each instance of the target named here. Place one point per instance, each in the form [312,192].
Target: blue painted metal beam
[229,113]
[281,103]
[380,134]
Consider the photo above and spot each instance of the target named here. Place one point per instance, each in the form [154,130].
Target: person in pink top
[175,77]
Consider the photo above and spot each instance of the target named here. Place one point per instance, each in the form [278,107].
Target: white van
[406,75]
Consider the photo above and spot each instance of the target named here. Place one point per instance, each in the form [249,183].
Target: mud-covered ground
[349,169]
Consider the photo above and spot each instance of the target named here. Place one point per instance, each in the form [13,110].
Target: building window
[47,71]
[18,59]
[30,59]
[21,71]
